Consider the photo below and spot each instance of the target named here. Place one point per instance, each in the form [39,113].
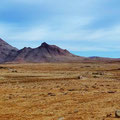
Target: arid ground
[67,91]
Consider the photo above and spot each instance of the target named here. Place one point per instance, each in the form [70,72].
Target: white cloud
[34,34]
[64,29]
[62,20]
[47,33]
[108,34]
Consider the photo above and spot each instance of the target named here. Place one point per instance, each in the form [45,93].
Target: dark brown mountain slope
[5,50]
[45,53]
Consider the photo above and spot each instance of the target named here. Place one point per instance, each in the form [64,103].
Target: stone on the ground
[51,94]
[61,118]
[117,113]
[80,77]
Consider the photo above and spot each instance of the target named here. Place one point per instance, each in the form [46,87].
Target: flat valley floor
[67,91]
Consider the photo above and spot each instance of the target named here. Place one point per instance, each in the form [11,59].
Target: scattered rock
[51,94]
[111,91]
[79,77]
[71,90]
[61,118]
[3,67]
[95,76]
[76,111]
[65,93]
[109,115]
[117,114]
[87,66]
[98,73]
[14,71]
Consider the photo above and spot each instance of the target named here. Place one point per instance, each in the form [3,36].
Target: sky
[84,27]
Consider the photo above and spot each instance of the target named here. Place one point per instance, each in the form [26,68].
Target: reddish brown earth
[77,91]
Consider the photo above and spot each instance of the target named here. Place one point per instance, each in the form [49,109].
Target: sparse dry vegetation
[77,91]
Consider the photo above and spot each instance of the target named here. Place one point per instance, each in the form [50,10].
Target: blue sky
[84,27]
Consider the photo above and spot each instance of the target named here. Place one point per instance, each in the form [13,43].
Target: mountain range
[43,53]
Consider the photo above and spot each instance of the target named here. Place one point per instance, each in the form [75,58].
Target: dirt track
[55,92]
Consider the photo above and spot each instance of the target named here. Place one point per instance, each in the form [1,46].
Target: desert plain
[59,91]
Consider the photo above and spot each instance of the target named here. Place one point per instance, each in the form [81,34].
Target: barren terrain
[67,91]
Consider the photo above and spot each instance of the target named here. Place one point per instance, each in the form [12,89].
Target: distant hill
[43,53]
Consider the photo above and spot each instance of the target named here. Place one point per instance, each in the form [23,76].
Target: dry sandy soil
[69,91]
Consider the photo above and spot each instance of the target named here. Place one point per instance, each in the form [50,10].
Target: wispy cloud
[81,25]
